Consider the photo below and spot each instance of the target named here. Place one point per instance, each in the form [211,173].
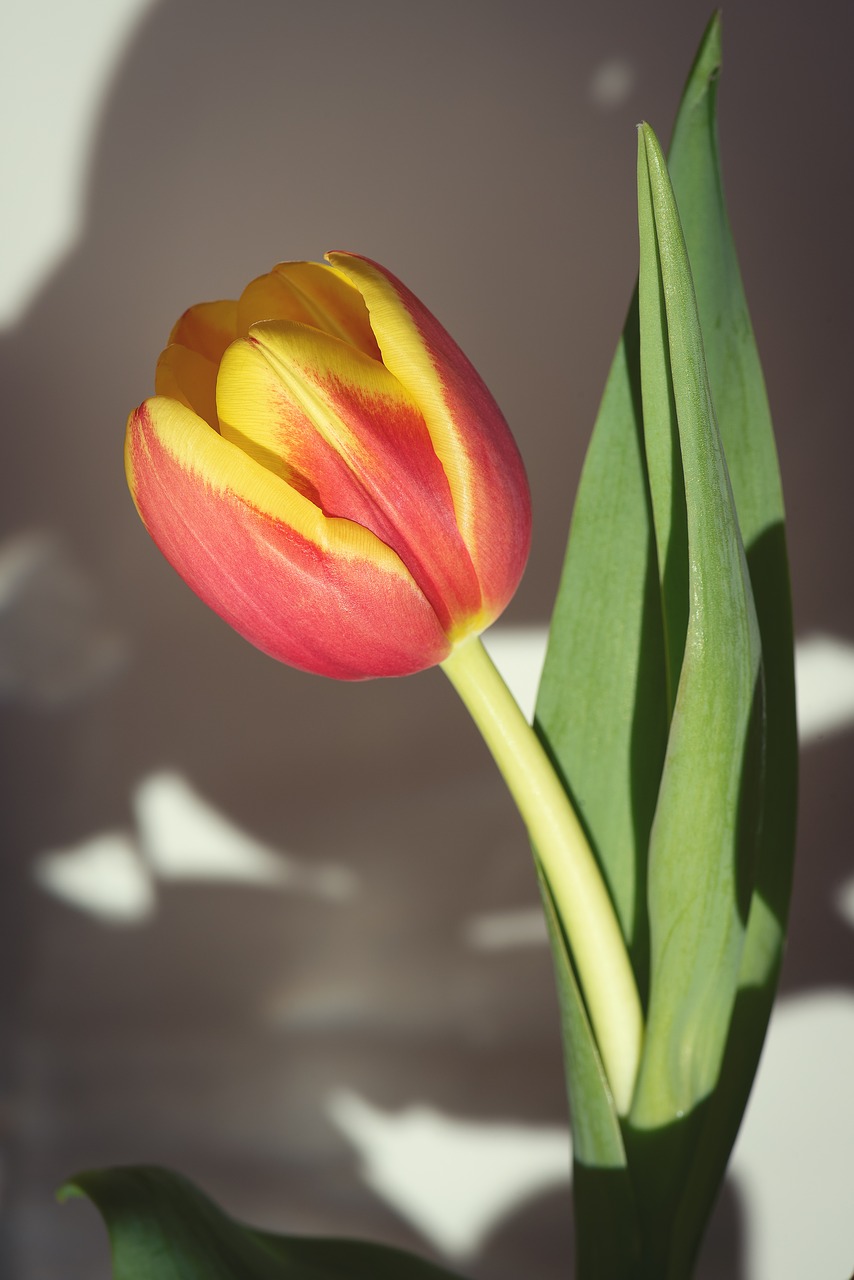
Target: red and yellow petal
[207,328]
[318,593]
[344,432]
[309,293]
[469,433]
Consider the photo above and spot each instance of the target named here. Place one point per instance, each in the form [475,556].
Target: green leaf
[738,391]
[744,419]
[162,1228]
[702,845]
[601,709]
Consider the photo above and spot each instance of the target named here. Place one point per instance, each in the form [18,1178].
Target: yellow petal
[207,328]
[186,376]
[309,293]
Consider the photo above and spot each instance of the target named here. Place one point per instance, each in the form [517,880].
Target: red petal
[319,594]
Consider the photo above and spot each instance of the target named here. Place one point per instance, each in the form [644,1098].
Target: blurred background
[281,933]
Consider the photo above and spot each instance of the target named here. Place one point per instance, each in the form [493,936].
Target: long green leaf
[162,1228]
[702,846]
[744,420]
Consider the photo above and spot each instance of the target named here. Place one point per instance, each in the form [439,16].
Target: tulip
[324,467]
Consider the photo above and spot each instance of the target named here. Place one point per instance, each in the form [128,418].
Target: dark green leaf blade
[602,707]
[162,1228]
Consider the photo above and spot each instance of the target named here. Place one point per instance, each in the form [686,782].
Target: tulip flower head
[324,467]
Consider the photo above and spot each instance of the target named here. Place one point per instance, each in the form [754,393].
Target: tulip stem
[573,876]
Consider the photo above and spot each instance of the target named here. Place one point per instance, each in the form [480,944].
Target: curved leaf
[162,1228]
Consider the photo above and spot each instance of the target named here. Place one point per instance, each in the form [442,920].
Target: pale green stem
[574,879]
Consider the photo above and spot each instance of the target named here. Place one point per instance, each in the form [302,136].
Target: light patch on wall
[453,1180]
[612,82]
[56,63]
[186,838]
[506,930]
[103,876]
[112,875]
[844,900]
[519,654]
[825,681]
[792,1160]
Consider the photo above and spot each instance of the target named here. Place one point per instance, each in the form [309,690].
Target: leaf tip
[707,64]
